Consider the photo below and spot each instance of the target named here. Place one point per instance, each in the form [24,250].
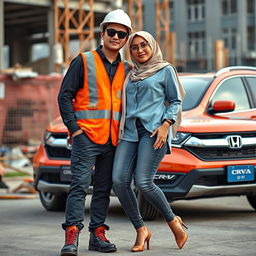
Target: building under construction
[59,28]
[46,34]
[38,38]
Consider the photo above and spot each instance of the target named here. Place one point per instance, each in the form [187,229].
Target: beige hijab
[155,63]
[142,71]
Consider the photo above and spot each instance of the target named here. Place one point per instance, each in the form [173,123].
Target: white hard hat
[117,16]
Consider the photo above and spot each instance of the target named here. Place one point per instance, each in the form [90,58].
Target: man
[90,105]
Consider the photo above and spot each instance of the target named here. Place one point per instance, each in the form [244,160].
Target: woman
[152,98]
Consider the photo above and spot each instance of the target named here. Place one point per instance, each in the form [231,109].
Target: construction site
[29,88]
[39,38]
[29,84]
[198,154]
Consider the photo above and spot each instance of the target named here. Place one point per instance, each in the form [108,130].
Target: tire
[147,210]
[252,200]
[53,202]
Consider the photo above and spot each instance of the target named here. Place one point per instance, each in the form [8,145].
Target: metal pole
[209,53]
[1,34]
[51,38]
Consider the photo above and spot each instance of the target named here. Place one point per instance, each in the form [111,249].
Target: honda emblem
[234,141]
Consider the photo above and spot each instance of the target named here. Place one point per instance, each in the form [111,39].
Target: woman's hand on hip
[162,133]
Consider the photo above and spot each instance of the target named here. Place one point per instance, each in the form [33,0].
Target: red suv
[213,154]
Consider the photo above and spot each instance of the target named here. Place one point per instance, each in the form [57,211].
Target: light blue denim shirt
[145,99]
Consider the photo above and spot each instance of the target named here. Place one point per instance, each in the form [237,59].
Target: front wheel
[252,200]
[53,202]
[147,210]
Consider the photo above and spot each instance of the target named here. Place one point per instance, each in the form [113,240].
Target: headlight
[180,138]
[55,140]
[47,135]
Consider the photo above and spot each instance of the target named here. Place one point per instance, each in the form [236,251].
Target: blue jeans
[84,156]
[139,160]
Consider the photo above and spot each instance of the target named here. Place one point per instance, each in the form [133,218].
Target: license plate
[240,173]
[65,173]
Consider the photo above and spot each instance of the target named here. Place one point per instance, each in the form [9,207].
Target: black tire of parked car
[53,202]
[147,210]
[252,200]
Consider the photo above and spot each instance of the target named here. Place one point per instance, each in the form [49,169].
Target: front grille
[56,146]
[52,178]
[217,146]
[57,152]
[219,153]
[217,180]
[211,180]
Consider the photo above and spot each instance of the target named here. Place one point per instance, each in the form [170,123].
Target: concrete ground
[217,227]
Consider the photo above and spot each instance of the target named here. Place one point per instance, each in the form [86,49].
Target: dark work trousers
[84,156]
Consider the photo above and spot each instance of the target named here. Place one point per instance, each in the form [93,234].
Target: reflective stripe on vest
[92,114]
[93,93]
[97,114]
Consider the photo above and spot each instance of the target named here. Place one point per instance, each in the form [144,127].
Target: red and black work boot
[71,242]
[99,242]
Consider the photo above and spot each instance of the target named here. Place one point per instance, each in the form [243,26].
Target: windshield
[195,88]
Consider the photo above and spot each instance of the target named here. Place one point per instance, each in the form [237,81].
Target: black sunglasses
[121,34]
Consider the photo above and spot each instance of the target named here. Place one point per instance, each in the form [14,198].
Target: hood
[57,126]
[199,124]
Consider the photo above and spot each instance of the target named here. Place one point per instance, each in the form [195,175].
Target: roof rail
[226,69]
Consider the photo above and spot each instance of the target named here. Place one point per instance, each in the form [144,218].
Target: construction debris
[26,184]
[19,72]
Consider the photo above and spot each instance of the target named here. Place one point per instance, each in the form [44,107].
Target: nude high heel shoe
[141,236]
[177,226]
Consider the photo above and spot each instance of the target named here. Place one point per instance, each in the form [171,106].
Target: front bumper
[52,187]
[47,179]
[200,183]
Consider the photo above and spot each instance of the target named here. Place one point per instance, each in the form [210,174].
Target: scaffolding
[77,22]
[164,38]
[135,13]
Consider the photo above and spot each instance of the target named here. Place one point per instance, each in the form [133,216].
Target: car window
[252,84]
[195,88]
[233,89]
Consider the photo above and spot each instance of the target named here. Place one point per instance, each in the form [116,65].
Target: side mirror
[222,106]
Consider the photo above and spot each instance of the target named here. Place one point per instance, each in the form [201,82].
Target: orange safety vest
[97,104]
